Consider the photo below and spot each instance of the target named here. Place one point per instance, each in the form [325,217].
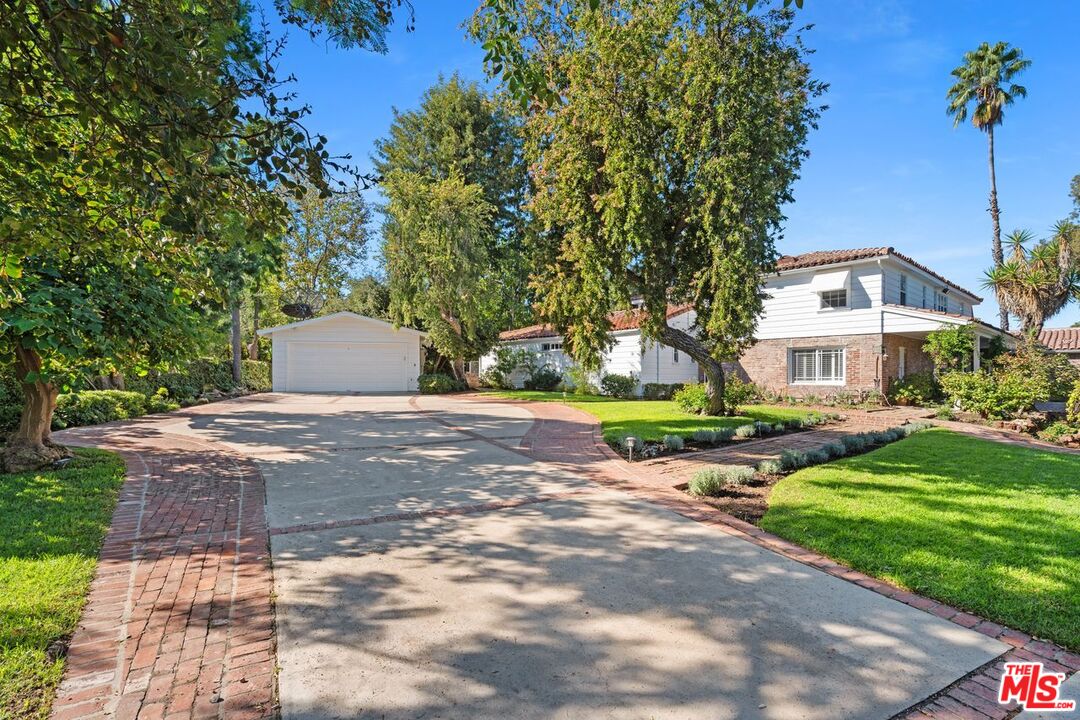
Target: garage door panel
[346,367]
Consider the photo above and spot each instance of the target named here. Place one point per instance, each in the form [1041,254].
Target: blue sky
[886,165]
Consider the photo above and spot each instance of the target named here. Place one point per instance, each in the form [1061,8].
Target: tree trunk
[253,348]
[236,343]
[458,367]
[995,217]
[31,447]
[714,371]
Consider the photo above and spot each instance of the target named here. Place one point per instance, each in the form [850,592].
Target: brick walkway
[179,621]
[562,435]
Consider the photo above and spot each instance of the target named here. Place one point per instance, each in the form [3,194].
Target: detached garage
[345,352]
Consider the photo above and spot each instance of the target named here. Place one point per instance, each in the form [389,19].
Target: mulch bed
[746,502]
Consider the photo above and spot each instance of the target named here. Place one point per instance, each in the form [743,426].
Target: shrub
[794,424]
[711,481]
[91,407]
[1058,430]
[507,360]
[1072,405]
[542,378]
[660,391]
[737,392]
[438,383]
[770,467]
[692,398]
[724,434]
[255,375]
[620,386]
[994,395]
[1053,374]
[673,442]
[779,427]
[762,428]
[581,379]
[745,431]
[707,437]
[854,443]
[916,389]
[944,412]
[835,449]
[951,348]
[816,457]
[792,459]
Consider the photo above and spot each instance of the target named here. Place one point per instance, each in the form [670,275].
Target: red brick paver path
[563,435]
[179,621]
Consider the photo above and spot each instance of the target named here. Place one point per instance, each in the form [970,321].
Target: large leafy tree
[984,87]
[130,132]
[1038,278]
[464,278]
[662,151]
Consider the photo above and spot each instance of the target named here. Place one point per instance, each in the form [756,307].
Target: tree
[661,155]
[985,83]
[131,130]
[459,150]
[367,295]
[328,237]
[437,244]
[1036,283]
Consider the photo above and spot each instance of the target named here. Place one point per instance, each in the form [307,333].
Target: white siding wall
[344,329]
[916,283]
[792,309]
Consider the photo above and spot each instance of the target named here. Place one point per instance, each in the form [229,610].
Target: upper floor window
[924,297]
[941,302]
[544,347]
[675,357]
[903,289]
[834,299]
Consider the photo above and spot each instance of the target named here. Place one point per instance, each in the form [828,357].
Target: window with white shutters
[817,365]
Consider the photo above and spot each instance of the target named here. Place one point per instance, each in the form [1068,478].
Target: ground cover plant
[999,537]
[52,523]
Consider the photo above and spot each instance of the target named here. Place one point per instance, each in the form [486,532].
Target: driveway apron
[426,567]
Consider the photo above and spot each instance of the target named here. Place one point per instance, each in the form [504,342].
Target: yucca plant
[1035,283]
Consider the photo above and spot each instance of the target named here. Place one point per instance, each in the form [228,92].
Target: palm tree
[1035,284]
[985,81]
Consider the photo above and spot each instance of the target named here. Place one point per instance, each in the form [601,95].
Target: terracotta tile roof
[620,320]
[1061,339]
[829,257]
[958,316]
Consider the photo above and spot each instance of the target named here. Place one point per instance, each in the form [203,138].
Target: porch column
[976,355]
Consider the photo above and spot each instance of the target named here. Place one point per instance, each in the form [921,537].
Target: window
[901,370]
[675,357]
[941,302]
[545,347]
[833,299]
[924,297]
[903,289]
[817,366]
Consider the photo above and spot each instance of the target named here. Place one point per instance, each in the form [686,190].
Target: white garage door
[345,367]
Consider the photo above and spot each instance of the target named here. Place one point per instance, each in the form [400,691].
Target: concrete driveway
[429,572]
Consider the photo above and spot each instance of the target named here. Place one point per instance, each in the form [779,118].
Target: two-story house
[839,321]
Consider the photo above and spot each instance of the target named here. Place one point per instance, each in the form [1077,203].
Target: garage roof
[343,314]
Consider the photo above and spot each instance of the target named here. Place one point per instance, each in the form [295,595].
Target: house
[1063,340]
[834,322]
[345,352]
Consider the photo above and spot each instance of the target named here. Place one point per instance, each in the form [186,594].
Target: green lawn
[983,526]
[51,527]
[653,419]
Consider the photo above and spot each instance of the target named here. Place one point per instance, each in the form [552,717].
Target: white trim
[933,280]
[343,313]
[831,280]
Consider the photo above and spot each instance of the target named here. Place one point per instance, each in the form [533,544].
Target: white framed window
[546,347]
[903,289]
[941,302]
[901,369]
[817,366]
[675,355]
[924,297]
[833,299]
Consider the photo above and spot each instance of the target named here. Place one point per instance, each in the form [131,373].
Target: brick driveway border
[179,620]
[569,437]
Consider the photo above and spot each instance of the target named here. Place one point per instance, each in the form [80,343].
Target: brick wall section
[917,361]
[179,620]
[766,364]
